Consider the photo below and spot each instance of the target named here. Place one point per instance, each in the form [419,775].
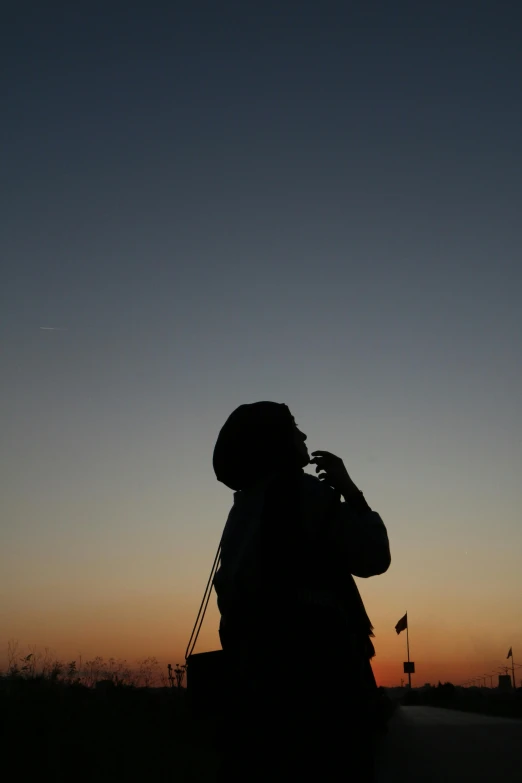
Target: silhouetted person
[293,626]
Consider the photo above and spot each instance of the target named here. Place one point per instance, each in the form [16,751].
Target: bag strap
[203,606]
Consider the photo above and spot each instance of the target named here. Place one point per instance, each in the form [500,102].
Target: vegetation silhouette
[104,721]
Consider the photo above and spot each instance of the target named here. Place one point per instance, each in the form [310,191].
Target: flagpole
[408,647]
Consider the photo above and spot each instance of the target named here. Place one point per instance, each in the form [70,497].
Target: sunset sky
[217,203]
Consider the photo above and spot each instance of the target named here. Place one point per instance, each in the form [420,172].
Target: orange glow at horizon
[445,651]
[135,597]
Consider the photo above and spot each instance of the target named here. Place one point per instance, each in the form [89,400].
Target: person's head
[256,440]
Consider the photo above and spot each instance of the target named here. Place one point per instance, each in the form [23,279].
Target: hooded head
[256,440]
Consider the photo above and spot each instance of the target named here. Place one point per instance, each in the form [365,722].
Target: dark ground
[51,731]
[73,733]
[434,745]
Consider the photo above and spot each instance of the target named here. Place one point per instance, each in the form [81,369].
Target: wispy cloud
[53,328]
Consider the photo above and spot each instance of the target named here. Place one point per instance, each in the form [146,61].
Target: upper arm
[358,536]
[362,537]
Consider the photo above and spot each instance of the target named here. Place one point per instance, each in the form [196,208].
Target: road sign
[409,667]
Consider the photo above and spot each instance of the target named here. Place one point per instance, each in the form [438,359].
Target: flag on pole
[402,624]
[510,653]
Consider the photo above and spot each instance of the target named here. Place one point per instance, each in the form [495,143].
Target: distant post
[409,666]
[510,655]
[408,649]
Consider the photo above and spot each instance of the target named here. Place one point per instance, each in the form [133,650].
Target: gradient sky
[315,203]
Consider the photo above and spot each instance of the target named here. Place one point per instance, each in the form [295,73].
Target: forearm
[354,498]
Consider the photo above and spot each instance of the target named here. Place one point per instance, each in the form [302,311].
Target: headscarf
[257,439]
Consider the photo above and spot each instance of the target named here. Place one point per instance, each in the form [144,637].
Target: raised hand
[332,470]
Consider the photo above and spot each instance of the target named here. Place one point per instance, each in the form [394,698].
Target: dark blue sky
[220,202]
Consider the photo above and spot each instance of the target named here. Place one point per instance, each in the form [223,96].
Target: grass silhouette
[101,722]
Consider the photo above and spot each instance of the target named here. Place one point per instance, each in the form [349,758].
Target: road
[431,745]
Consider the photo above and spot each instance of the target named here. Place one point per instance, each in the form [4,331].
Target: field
[64,732]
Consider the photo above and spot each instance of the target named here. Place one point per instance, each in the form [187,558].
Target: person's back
[293,627]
